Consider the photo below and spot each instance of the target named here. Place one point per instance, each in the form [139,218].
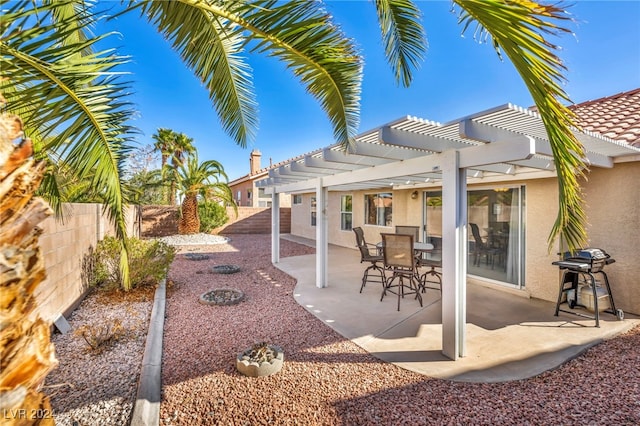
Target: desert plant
[212,215]
[101,337]
[149,261]
[262,352]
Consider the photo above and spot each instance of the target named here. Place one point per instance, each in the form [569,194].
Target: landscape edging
[146,411]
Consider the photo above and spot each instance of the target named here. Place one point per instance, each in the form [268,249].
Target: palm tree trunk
[190,221]
[172,193]
[27,354]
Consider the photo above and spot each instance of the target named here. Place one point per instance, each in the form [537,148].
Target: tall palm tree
[199,179]
[165,141]
[71,92]
[183,145]
[172,147]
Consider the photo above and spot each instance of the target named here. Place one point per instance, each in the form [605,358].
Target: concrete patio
[508,337]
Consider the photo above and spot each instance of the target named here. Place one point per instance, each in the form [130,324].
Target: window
[249,195]
[346,212]
[297,199]
[262,194]
[313,211]
[378,209]
[239,197]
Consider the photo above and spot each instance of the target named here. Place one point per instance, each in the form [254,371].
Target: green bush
[148,262]
[212,215]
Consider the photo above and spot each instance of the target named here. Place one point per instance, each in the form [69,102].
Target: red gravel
[328,380]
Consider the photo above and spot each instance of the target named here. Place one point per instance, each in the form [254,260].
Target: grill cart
[579,286]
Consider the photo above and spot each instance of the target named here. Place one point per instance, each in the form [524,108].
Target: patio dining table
[418,247]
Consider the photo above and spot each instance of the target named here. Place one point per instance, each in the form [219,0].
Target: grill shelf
[582,267]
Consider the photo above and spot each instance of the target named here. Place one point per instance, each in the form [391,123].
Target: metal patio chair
[400,261]
[414,231]
[369,253]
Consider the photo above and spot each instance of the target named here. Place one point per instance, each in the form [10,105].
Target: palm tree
[172,146]
[68,91]
[183,145]
[195,180]
[165,141]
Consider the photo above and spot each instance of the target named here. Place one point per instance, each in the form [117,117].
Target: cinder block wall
[161,221]
[65,245]
[254,220]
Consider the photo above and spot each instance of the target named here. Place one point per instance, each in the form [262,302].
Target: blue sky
[458,77]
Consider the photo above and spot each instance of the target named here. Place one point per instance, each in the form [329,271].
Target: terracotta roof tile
[617,116]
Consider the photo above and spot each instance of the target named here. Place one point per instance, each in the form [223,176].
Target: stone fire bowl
[253,369]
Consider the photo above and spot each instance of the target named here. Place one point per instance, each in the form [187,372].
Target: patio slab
[509,337]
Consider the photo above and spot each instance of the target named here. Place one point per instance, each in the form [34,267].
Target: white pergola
[503,143]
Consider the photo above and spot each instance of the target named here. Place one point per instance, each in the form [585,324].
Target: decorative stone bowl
[222,297]
[197,256]
[261,360]
[225,269]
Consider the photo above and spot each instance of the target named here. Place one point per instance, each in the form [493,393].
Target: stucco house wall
[613,212]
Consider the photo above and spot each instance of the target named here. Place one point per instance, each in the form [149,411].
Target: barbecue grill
[581,267]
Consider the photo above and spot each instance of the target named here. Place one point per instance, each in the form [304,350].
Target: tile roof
[616,116]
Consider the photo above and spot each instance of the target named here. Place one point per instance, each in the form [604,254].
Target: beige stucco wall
[64,245]
[541,277]
[613,211]
[613,208]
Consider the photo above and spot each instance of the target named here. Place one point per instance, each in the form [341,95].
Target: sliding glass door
[496,222]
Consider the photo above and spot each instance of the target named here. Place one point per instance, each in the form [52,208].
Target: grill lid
[588,254]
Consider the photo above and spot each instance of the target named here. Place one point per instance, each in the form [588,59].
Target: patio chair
[409,230]
[375,272]
[481,248]
[431,278]
[400,261]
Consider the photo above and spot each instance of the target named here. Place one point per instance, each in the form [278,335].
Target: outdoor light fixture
[414,195]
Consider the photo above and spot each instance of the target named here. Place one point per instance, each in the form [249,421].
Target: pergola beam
[408,139]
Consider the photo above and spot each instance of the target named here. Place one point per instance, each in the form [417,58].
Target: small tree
[202,180]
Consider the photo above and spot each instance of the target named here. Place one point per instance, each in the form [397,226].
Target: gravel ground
[326,380]
[91,388]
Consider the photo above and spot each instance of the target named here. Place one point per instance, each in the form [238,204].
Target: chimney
[254,162]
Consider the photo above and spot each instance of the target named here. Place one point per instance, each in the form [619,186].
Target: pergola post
[454,255]
[322,239]
[275,227]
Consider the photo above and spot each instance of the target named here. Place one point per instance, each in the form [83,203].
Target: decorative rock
[222,297]
[197,256]
[261,360]
[225,269]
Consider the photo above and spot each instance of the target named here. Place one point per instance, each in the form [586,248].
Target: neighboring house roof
[263,171]
[616,117]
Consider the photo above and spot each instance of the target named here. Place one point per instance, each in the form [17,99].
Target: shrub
[212,215]
[148,262]
[100,338]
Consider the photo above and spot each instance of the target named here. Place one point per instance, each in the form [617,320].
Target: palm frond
[211,36]
[73,102]
[403,36]
[212,48]
[518,28]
